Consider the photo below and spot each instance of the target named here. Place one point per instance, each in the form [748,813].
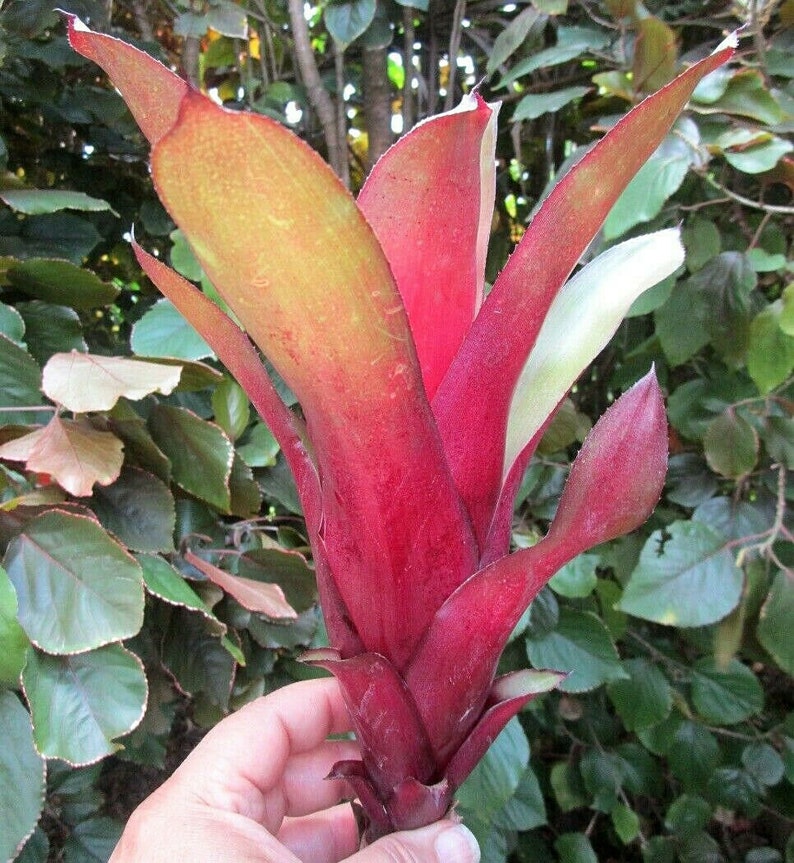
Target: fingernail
[457,845]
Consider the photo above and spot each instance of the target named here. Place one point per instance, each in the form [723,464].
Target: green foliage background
[673,737]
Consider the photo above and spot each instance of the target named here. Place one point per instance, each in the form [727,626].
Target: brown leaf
[259,596]
[73,452]
[89,382]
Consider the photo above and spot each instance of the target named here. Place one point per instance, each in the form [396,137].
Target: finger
[323,837]
[442,842]
[304,784]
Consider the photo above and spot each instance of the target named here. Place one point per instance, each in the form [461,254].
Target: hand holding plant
[422,401]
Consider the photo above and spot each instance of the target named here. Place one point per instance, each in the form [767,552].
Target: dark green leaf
[692,753]
[572,42]
[575,848]
[77,589]
[20,386]
[581,645]
[62,283]
[700,848]
[526,809]
[82,703]
[774,624]
[689,481]
[50,329]
[13,640]
[644,698]
[736,789]
[22,772]
[688,579]
[702,241]
[511,38]
[138,509]
[725,696]
[681,323]
[763,762]
[536,104]
[731,445]
[246,499]
[734,519]
[92,841]
[288,569]
[35,202]
[602,773]
[346,20]
[687,815]
[60,235]
[189,441]
[770,354]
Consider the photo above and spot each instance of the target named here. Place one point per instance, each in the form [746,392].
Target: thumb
[442,842]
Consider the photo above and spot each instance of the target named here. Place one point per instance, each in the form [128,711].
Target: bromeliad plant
[421,400]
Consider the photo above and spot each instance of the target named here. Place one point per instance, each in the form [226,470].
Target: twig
[454,48]
[748,202]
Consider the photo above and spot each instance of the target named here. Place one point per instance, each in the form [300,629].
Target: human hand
[253,791]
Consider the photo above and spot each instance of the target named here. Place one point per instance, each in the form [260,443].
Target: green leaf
[12,324]
[580,644]
[34,202]
[681,323]
[260,448]
[231,408]
[526,809]
[737,790]
[770,354]
[578,578]
[764,763]
[536,104]
[692,754]
[288,569]
[228,19]
[575,848]
[626,823]
[687,815]
[571,43]
[702,241]
[182,258]
[188,442]
[50,329]
[36,850]
[81,704]
[725,696]
[731,445]
[700,848]
[62,283]
[687,579]
[246,497]
[602,772]
[774,623]
[13,641]
[138,509]
[760,157]
[346,20]
[20,385]
[659,178]
[778,435]
[163,332]
[92,840]
[511,38]
[77,589]
[644,698]
[22,777]
[495,779]
[735,520]
[746,96]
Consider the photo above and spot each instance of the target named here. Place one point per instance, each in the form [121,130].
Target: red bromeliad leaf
[613,487]
[152,92]
[503,334]
[393,742]
[259,596]
[430,202]
[335,328]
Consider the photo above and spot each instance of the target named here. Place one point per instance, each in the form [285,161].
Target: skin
[253,791]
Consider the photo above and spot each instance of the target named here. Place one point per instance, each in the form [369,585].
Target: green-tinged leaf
[702,241]
[139,447]
[655,54]
[92,840]
[699,848]
[163,332]
[735,520]
[572,42]
[188,442]
[34,202]
[659,849]
[687,814]
[581,645]
[495,779]
[260,447]
[511,38]
[536,104]
[231,408]
[526,809]
[682,323]
[75,453]
[166,583]
[90,382]
[574,848]
[589,309]
[13,640]
[737,790]
[765,262]
[763,762]
[626,823]
[20,385]
[774,624]
[693,753]
[22,775]
[713,86]
[770,355]
[725,696]
[12,324]
[602,774]
[731,445]
[77,589]
[644,698]
[245,494]
[36,850]
[578,578]
[659,178]
[182,258]
[346,20]
[196,658]
[288,569]
[686,576]
[760,157]
[63,283]
[81,704]
[228,19]
[50,329]
[745,95]
[138,509]
[566,783]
